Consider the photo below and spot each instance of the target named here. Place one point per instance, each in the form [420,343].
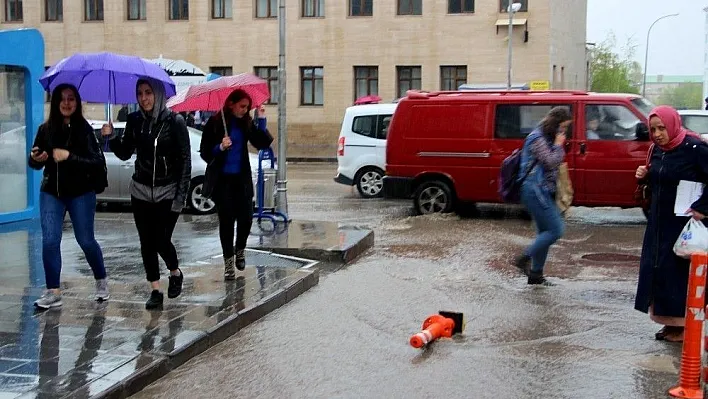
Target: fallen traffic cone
[690,375]
[443,324]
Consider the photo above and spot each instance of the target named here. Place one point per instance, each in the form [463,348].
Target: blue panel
[24,48]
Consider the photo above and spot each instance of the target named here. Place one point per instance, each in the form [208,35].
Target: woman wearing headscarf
[158,191]
[224,147]
[676,155]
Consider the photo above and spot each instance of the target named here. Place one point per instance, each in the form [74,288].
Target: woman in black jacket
[74,169]
[163,168]
[229,173]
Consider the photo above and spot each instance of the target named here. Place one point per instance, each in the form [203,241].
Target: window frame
[223,9]
[378,125]
[100,12]
[462,7]
[140,17]
[410,7]
[399,69]
[59,11]
[314,80]
[368,79]
[524,5]
[271,78]
[270,13]
[362,9]
[456,69]
[19,10]
[318,12]
[550,106]
[219,69]
[180,15]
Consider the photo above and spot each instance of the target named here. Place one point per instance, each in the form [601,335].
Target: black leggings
[233,205]
[155,223]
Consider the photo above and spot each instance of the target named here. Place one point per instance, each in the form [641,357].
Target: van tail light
[340,147]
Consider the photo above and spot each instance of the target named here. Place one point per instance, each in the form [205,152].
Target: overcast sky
[676,45]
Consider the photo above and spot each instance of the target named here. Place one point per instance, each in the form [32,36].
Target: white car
[120,173]
[695,120]
[361,151]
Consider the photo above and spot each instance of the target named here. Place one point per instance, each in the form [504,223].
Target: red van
[447,147]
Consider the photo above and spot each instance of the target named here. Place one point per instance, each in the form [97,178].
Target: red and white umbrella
[211,96]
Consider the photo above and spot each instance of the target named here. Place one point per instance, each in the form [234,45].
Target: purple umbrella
[105,77]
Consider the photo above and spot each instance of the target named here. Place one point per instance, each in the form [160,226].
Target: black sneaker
[523,263]
[175,287]
[240,259]
[538,279]
[155,301]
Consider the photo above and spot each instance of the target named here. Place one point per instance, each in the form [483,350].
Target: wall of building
[568,26]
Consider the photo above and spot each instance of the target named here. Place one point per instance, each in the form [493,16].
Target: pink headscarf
[674,127]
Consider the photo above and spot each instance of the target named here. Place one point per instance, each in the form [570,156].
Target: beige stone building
[336,49]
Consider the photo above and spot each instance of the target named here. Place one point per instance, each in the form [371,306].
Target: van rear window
[516,121]
[374,126]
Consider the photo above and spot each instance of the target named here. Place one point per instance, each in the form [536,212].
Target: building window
[311,85]
[410,7]
[266,8]
[221,9]
[312,8]
[366,81]
[13,10]
[222,70]
[361,8]
[53,10]
[93,10]
[137,10]
[460,6]
[451,77]
[179,10]
[516,121]
[408,79]
[270,75]
[504,4]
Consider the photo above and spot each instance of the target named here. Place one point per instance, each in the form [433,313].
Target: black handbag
[211,175]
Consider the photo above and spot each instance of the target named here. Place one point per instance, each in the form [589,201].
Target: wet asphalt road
[348,337]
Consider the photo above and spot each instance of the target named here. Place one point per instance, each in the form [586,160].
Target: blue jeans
[82,210]
[548,220]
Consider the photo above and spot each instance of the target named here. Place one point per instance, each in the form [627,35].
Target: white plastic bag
[693,239]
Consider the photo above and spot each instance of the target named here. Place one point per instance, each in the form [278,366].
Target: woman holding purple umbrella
[158,191]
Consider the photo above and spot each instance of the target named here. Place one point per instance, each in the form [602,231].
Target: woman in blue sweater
[229,180]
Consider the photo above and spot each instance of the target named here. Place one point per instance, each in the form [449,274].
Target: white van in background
[361,153]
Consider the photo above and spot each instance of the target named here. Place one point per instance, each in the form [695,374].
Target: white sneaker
[102,290]
[48,300]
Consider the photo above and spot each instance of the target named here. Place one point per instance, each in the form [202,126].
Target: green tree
[683,96]
[613,72]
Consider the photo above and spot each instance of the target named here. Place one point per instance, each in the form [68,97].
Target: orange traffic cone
[690,374]
[444,324]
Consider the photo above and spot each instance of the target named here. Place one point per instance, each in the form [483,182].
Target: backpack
[509,182]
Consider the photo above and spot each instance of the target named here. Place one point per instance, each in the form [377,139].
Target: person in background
[592,119]
[67,149]
[677,154]
[233,189]
[542,155]
[158,190]
[706,101]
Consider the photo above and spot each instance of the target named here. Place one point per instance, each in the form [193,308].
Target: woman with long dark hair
[158,190]
[74,169]
[542,155]
[224,147]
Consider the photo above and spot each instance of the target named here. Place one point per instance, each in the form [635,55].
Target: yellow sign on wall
[540,85]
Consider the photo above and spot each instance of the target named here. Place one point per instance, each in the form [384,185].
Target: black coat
[77,175]
[211,137]
[163,152]
[663,276]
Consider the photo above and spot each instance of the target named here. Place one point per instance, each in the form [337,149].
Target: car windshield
[645,106]
[696,123]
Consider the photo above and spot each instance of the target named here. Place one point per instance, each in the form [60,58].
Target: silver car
[120,173]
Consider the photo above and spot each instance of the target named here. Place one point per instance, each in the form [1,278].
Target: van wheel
[369,182]
[433,197]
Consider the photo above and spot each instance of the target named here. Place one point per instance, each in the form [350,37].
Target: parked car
[361,152]
[695,120]
[446,148]
[120,172]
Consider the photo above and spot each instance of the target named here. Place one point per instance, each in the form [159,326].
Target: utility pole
[282,182]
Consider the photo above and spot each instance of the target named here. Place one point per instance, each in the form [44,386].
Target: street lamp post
[512,9]
[646,53]
[281,181]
